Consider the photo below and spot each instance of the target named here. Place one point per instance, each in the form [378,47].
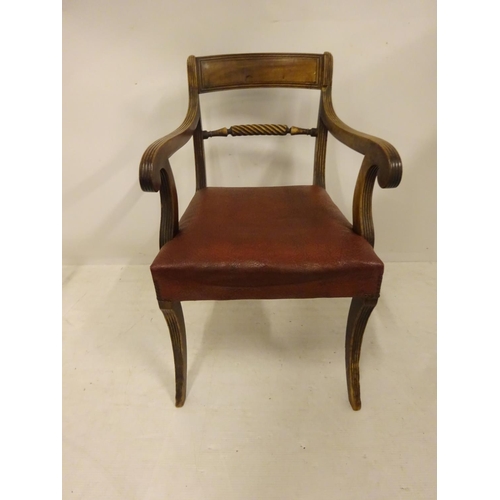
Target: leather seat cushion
[265,243]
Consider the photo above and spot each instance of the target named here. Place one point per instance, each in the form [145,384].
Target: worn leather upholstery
[265,243]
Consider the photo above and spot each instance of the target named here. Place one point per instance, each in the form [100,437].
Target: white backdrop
[125,85]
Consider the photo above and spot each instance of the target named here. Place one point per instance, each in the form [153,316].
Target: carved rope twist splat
[258,129]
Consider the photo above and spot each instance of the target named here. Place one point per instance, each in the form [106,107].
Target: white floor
[267,415]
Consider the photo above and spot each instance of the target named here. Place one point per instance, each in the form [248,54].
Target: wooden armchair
[267,242]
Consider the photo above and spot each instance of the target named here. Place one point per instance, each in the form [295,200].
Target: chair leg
[359,313]
[175,321]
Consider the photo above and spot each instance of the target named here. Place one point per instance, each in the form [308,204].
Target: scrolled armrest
[381,161]
[157,154]
[376,151]
[155,158]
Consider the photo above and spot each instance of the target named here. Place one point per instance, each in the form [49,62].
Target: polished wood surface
[258,129]
[359,313]
[172,311]
[156,155]
[239,71]
[169,222]
[379,152]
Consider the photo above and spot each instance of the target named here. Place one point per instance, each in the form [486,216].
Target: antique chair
[267,242]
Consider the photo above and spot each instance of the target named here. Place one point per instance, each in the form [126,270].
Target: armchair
[267,242]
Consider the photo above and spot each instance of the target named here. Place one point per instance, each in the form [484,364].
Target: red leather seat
[265,243]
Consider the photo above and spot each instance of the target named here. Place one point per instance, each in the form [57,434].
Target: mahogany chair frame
[381,162]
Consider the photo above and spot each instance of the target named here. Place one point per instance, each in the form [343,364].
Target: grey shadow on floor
[305,326]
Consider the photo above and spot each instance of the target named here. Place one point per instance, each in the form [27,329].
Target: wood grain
[169,218]
[380,152]
[362,217]
[199,157]
[319,177]
[359,313]
[172,311]
[153,159]
[239,71]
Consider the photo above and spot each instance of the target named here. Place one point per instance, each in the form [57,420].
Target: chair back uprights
[245,71]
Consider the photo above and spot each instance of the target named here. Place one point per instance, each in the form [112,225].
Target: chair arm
[379,152]
[157,154]
[362,215]
[381,161]
[155,173]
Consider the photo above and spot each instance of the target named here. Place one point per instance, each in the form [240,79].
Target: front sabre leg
[175,321]
[359,313]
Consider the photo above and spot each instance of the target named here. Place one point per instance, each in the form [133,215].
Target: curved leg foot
[359,313]
[175,321]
